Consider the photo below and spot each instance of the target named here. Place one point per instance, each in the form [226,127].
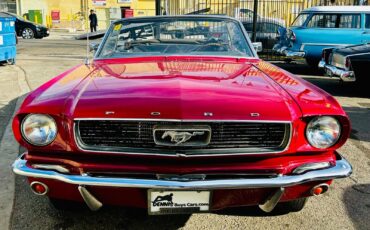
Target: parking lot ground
[345,206]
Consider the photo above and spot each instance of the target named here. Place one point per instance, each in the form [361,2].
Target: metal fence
[270,14]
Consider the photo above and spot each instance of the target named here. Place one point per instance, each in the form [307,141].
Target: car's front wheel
[66,205]
[291,206]
[28,33]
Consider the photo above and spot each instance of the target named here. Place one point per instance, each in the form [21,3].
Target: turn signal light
[39,188]
[348,63]
[319,189]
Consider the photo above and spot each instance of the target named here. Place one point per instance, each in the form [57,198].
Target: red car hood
[179,89]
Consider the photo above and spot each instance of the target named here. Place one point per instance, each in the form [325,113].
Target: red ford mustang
[178,115]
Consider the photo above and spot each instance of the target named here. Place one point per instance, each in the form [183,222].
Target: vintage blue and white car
[321,27]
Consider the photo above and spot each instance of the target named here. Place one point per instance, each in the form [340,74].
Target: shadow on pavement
[250,211]
[359,117]
[300,68]
[32,212]
[6,112]
[357,202]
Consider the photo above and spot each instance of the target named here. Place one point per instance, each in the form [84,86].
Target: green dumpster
[35,16]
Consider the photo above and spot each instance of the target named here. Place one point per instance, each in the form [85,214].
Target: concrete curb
[9,149]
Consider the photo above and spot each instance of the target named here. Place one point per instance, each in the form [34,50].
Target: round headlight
[39,129]
[323,132]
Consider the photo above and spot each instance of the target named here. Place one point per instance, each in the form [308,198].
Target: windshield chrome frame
[138,19]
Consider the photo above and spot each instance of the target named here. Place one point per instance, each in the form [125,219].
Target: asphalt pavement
[345,206]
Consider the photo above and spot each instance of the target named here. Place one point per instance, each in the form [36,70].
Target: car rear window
[269,28]
[263,27]
[350,21]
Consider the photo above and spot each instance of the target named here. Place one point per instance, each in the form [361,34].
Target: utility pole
[254,28]
[19,7]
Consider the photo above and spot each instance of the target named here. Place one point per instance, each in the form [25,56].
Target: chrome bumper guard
[342,169]
[333,71]
[288,53]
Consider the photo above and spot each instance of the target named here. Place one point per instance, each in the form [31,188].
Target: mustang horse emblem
[181,137]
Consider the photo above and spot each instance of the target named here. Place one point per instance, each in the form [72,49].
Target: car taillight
[291,35]
[323,54]
[348,63]
[293,38]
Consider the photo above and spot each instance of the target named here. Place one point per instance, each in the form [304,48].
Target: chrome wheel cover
[27,33]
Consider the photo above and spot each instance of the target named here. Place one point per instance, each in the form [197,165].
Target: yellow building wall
[27,5]
[140,7]
[71,17]
[72,14]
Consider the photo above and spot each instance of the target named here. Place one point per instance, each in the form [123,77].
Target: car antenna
[87,60]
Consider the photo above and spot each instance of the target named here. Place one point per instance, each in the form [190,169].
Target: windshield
[175,36]
[14,15]
[300,20]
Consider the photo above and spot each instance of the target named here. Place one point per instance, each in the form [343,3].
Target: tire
[313,63]
[66,205]
[291,206]
[11,61]
[28,33]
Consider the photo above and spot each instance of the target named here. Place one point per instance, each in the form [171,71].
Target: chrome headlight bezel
[52,126]
[334,130]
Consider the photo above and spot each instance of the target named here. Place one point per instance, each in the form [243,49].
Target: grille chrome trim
[194,153]
[178,120]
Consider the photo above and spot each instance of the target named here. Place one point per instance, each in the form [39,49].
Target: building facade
[73,13]
[8,6]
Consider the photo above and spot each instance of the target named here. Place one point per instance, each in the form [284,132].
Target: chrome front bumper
[289,53]
[333,71]
[342,169]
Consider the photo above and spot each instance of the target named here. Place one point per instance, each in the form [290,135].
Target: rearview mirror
[94,47]
[257,46]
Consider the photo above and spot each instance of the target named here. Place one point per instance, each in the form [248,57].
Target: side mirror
[257,46]
[94,47]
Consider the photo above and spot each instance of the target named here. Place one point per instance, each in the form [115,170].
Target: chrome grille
[226,137]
